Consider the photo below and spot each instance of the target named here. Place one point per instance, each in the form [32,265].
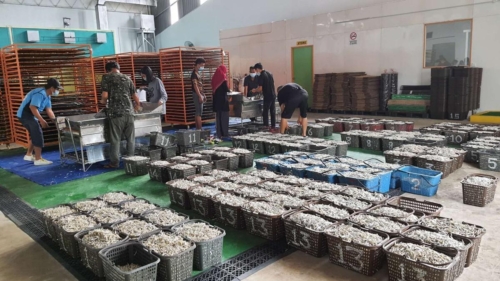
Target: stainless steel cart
[82,138]
[246,108]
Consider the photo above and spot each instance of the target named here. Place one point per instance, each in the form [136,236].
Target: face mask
[201,68]
[144,78]
[258,73]
[253,75]
[55,93]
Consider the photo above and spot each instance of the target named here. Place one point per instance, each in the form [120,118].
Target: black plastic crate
[162,140]
[188,137]
[153,152]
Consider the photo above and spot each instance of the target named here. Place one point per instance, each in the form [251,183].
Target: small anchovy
[136,207]
[76,223]
[183,184]
[109,215]
[378,223]
[311,222]
[116,197]
[135,228]
[435,238]
[354,235]
[57,212]
[100,238]
[264,208]
[420,253]
[285,200]
[197,232]
[330,211]
[231,200]
[226,186]
[205,191]
[163,217]
[246,179]
[166,244]
[365,195]
[204,179]
[182,167]
[451,226]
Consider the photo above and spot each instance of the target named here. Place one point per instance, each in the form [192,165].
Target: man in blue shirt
[37,101]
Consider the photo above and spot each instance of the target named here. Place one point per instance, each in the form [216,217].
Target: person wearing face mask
[156,90]
[266,87]
[251,84]
[35,102]
[199,97]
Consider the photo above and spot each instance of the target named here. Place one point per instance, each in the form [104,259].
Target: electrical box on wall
[101,38]
[69,37]
[145,23]
[33,36]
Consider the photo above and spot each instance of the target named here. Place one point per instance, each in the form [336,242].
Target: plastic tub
[417,180]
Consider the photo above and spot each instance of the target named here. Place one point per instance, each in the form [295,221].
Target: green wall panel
[4,36]
[56,36]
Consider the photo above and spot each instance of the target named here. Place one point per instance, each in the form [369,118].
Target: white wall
[390,36]
[47,17]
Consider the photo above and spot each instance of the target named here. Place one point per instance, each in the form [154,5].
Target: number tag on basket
[416,183]
[391,145]
[261,224]
[198,206]
[165,141]
[231,220]
[128,168]
[429,166]
[493,163]
[237,144]
[348,140]
[180,198]
[272,150]
[173,175]
[304,241]
[357,257]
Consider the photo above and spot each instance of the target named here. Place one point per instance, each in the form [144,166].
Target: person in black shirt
[291,96]
[251,85]
[221,103]
[266,86]
[199,97]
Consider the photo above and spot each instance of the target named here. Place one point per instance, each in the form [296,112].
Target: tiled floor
[23,259]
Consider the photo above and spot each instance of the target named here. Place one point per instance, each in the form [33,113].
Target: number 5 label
[492,163]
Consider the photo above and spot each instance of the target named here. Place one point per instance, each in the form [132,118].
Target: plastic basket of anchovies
[86,206]
[375,198]
[115,198]
[256,145]
[329,211]
[92,241]
[239,141]
[245,157]
[479,189]
[387,225]
[176,255]
[129,261]
[356,248]
[435,238]
[408,259]
[177,190]
[136,165]
[208,238]
[232,159]
[352,138]
[67,227]
[379,182]
[460,229]
[219,162]
[228,209]
[290,146]
[268,163]
[252,192]
[401,214]
[426,207]
[136,229]
[285,200]
[164,218]
[137,206]
[51,214]
[264,219]
[158,171]
[107,216]
[201,200]
[181,171]
[436,163]
[304,231]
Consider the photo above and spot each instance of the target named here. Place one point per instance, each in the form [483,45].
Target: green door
[302,68]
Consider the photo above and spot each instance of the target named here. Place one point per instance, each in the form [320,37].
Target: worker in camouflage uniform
[117,89]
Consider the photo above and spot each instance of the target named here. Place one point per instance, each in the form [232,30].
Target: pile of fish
[137,158]
[390,212]
[378,223]
[135,228]
[435,238]
[226,186]
[293,180]
[480,181]
[263,174]
[241,151]
[355,235]
[205,191]
[311,222]
[275,186]
[450,226]
[264,208]
[160,164]
[358,175]
[166,244]
[365,195]
[220,174]
[109,215]
[221,148]
[163,217]
[182,184]
[231,200]
[198,163]
[254,192]
[76,223]
[57,212]
[89,205]
[420,253]
[436,158]
[100,238]
[198,231]
[116,197]
[285,200]
[330,211]
[347,202]
[137,207]
[204,179]
[324,186]
[307,193]
[182,167]
[180,159]
[246,179]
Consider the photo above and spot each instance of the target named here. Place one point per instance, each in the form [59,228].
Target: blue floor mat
[51,174]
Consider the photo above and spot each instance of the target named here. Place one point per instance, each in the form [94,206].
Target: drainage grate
[30,221]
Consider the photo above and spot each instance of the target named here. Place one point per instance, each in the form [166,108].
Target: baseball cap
[53,82]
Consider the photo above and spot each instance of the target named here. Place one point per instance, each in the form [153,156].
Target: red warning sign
[354,36]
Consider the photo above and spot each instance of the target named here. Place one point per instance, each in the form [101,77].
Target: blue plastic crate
[264,166]
[380,183]
[301,173]
[417,180]
[330,178]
